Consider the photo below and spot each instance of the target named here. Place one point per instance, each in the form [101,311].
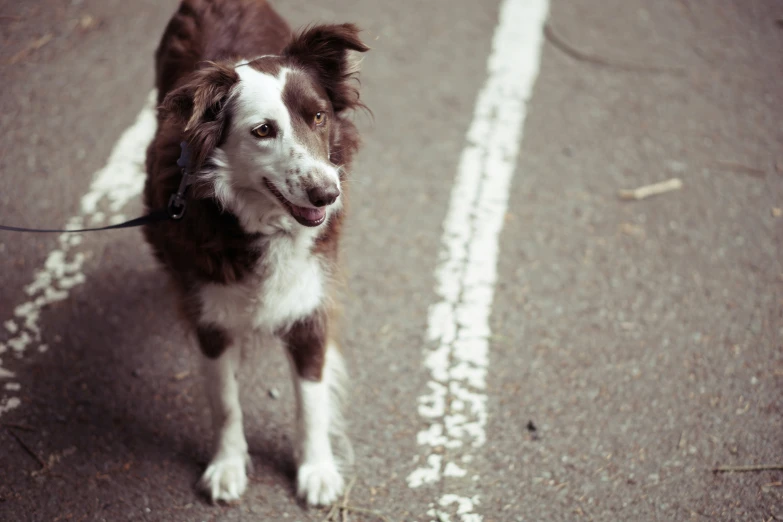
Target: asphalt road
[643,340]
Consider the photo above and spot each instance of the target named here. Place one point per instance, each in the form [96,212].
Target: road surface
[524,345]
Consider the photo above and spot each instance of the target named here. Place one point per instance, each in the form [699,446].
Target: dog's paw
[225,478]
[319,484]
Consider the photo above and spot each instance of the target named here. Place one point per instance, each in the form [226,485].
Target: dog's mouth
[307,216]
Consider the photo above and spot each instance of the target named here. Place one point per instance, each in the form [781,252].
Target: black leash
[174,211]
[153,217]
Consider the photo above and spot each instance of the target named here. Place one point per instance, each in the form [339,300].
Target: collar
[177,201]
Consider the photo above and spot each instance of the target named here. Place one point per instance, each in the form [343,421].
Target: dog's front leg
[225,478]
[317,371]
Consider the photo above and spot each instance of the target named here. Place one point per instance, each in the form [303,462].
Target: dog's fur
[264,115]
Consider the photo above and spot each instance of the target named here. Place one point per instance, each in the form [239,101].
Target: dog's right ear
[330,52]
[202,104]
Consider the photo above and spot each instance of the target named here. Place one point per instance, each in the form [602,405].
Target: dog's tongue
[309,214]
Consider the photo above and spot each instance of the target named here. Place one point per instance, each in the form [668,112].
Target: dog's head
[266,127]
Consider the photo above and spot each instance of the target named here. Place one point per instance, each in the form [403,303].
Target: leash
[173,211]
[153,217]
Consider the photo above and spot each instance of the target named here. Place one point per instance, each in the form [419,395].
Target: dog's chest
[287,285]
[291,286]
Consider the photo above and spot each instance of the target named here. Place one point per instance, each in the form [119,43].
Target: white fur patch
[225,478]
[288,285]
[319,480]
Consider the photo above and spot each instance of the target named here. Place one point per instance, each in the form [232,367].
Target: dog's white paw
[319,483]
[225,478]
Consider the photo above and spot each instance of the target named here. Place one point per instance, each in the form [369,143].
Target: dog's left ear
[330,52]
[201,104]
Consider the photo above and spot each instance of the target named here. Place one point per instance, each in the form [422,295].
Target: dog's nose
[323,196]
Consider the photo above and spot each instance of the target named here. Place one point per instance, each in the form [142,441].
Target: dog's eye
[263,131]
[320,118]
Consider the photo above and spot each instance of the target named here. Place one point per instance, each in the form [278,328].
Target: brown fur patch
[204,103]
[215,30]
[268,65]
[306,343]
[343,143]
[304,98]
[212,340]
[325,51]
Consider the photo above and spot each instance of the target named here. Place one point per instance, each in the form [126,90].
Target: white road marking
[457,356]
[119,181]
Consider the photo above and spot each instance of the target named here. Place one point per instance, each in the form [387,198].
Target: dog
[263,114]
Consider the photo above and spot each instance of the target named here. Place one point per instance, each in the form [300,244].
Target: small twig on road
[31,47]
[27,448]
[347,496]
[738,167]
[740,469]
[582,56]
[23,427]
[342,509]
[365,511]
[651,190]
[332,511]
[181,375]
[691,511]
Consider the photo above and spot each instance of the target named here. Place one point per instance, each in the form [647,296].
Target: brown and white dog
[264,115]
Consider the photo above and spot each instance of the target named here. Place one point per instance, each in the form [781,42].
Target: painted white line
[457,356]
[121,180]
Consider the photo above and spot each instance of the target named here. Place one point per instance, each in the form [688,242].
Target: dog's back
[214,30]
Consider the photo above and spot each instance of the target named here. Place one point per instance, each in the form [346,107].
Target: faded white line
[457,356]
[119,181]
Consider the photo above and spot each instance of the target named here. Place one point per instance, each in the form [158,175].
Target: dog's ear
[330,52]
[202,104]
